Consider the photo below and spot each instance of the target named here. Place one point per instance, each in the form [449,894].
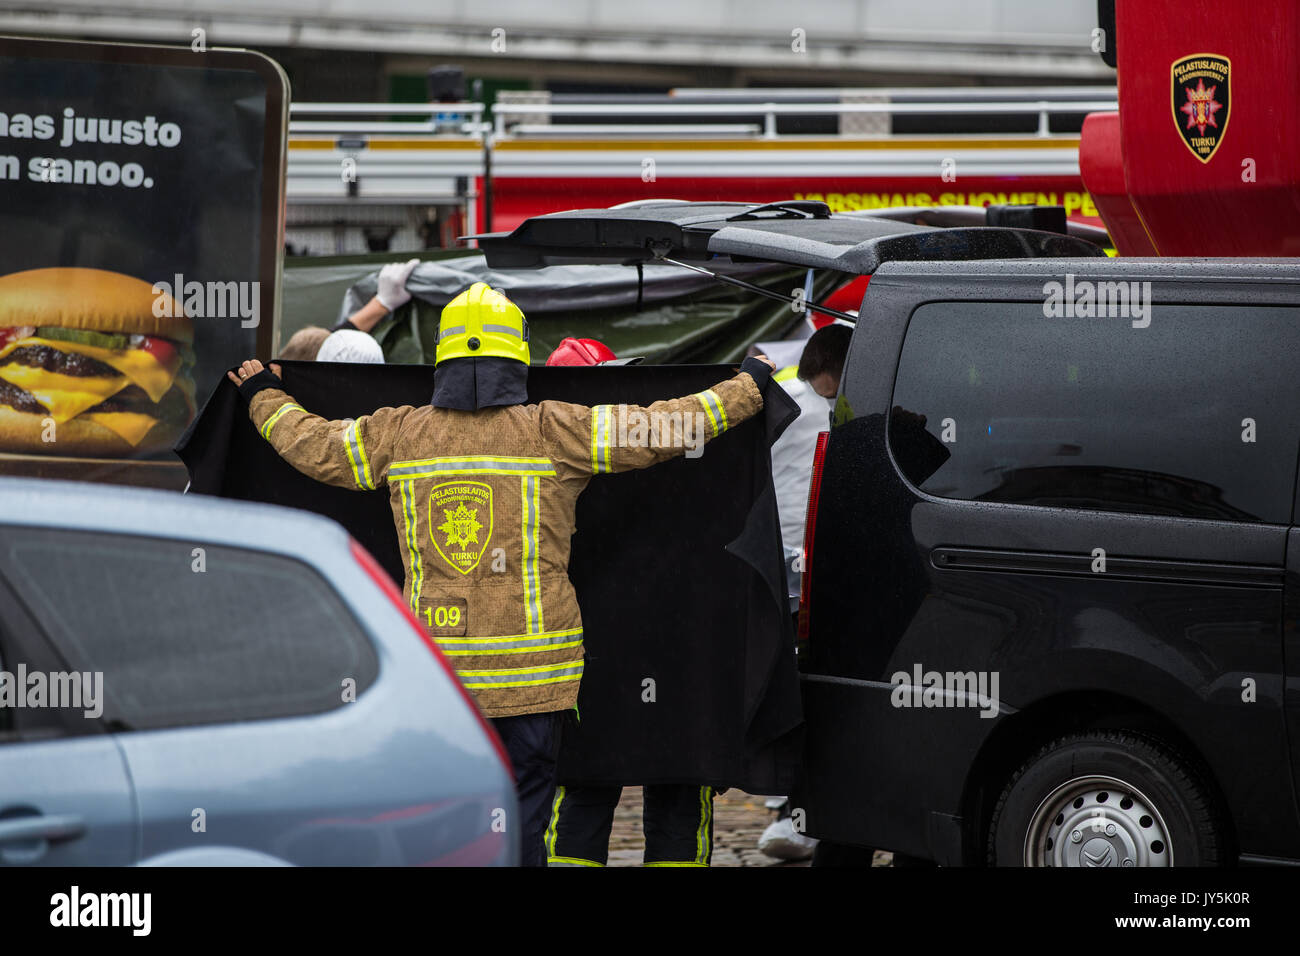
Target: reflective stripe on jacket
[484,503]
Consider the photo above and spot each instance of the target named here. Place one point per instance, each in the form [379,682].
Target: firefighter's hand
[760,369]
[392,284]
[250,368]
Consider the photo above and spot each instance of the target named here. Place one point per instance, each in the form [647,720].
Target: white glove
[392,284]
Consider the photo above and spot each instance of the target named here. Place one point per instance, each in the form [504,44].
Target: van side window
[1195,415]
[185,632]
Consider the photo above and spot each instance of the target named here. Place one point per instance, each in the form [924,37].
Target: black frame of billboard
[274,148]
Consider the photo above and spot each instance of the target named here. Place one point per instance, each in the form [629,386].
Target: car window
[184,636]
[37,699]
[1197,414]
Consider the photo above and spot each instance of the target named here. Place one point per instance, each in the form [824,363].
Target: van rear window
[1196,414]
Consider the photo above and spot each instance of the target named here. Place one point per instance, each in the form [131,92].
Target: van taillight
[380,577]
[810,533]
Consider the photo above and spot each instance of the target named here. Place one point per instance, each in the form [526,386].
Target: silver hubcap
[1097,821]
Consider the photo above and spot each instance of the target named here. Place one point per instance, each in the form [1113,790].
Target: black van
[1050,606]
[1051,613]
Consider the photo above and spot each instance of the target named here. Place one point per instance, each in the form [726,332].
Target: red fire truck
[374,175]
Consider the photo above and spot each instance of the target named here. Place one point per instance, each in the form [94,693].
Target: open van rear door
[798,233]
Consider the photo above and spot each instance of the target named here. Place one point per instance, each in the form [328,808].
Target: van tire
[1106,798]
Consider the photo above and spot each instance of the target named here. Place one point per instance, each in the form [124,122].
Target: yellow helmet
[482,323]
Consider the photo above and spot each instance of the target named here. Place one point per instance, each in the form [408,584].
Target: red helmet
[580,352]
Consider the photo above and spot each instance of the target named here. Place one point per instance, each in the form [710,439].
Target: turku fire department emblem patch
[1201,101]
[460,522]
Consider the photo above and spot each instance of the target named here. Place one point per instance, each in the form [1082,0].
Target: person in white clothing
[813,384]
[792,455]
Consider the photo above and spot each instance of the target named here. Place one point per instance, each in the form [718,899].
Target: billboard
[141,240]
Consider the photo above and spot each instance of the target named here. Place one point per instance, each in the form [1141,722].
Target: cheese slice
[139,366]
[130,426]
[66,396]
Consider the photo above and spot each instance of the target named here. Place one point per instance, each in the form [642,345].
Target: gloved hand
[251,378]
[392,284]
[760,367]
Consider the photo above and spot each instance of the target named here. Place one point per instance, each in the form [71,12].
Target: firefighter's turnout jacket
[484,503]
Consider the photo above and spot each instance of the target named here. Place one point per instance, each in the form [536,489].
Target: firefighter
[573,351]
[484,488]
[676,818]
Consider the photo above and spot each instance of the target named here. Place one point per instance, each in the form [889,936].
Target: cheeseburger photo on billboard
[83,350]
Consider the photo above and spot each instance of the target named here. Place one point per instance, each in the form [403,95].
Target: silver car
[189,680]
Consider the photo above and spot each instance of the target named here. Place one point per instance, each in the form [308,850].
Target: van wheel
[1105,798]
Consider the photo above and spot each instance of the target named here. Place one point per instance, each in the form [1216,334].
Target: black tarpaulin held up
[690,671]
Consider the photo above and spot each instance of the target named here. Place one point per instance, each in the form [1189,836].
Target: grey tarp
[666,313]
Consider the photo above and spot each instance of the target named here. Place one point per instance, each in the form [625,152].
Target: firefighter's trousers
[677,820]
[533,743]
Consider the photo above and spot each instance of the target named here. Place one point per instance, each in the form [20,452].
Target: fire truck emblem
[460,522]
[1200,100]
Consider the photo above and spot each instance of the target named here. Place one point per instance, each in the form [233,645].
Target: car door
[1109,516]
[1090,511]
[249,707]
[226,674]
[66,798]
[1291,646]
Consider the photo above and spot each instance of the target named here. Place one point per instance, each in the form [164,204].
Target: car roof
[1210,281]
[801,233]
[77,505]
[1146,267]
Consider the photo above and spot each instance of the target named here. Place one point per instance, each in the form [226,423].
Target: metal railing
[1044,109]
[433,123]
[510,118]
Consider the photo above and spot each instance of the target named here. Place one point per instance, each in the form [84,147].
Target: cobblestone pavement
[739,819]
